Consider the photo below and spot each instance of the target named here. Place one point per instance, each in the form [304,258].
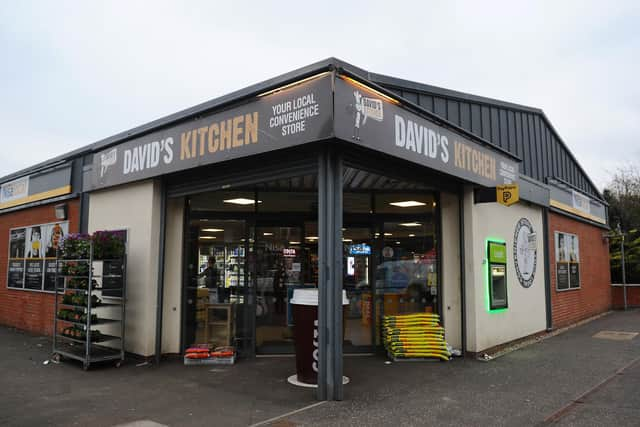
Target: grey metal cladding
[453,112]
[426,102]
[534,191]
[476,120]
[522,131]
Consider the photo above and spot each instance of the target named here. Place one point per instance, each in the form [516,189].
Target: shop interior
[247,250]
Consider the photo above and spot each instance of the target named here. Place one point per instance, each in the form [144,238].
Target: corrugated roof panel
[453,112]
[476,120]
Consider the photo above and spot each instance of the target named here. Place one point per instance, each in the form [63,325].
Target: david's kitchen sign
[371,119]
[295,115]
[307,111]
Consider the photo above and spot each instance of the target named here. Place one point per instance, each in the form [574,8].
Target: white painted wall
[526,314]
[172,307]
[451,305]
[136,208]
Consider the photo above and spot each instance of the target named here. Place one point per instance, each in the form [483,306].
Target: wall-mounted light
[61,211]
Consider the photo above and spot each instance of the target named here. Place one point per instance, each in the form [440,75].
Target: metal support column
[161,253]
[463,273]
[330,276]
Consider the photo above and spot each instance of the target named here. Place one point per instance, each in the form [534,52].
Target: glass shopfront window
[250,248]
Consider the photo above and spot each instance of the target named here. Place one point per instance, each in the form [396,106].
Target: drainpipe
[547,267]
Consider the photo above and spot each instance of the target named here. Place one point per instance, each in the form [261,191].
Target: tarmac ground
[572,378]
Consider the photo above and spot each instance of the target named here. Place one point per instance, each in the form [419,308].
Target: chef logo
[525,252]
[365,108]
[107,159]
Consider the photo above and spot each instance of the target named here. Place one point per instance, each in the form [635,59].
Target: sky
[75,72]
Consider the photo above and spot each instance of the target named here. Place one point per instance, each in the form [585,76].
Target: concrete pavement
[535,385]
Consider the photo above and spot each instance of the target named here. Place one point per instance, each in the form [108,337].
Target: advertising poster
[50,275]
[15,277]
[16,242]
[52,235]
[567,249]
[32,252]
[34,242]
[33,273]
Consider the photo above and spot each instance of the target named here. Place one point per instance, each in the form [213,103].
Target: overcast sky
[76,72]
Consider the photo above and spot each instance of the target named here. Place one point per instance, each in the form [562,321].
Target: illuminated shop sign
[308,110]
[293,115]
[360,249]
[289,252]
[370,118]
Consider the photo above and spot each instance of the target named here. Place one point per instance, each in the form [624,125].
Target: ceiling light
[213,230]
[388,234]
[294,243]
[411,224]
[241,201]
[397,243]
[347,240]
[267,234]
[407,204]
[207,237]
[434,204]
[312,238]
[412,235]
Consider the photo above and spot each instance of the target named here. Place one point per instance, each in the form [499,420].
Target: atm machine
[497,259]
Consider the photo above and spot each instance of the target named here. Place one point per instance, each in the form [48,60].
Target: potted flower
[108,244]
[75,246]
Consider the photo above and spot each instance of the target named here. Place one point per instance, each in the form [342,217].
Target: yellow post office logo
[507,194]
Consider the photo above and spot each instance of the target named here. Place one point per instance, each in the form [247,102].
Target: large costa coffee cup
[305,319]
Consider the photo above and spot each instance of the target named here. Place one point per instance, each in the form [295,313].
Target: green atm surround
[496,275]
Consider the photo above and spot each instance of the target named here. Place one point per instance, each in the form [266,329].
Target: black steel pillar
[463,271]
[161,253]
[330,275]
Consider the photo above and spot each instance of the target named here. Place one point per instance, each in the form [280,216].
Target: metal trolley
[80,308]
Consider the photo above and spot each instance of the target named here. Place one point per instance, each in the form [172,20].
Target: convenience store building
[409,197]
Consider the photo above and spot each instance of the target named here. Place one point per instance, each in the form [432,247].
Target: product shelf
[78,352]
[102,338]
[86,349]
[100,321]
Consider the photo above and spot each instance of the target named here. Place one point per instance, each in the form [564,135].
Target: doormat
[616,335]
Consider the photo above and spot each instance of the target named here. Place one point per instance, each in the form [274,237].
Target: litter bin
[305,319]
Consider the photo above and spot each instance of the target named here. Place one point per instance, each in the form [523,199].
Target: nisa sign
[360,249]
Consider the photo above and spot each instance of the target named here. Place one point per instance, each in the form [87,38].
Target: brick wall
[594,295]
[29,310]
[633,296]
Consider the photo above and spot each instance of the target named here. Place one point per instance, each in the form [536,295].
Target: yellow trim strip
[66,189]
[575,211]
[363,86]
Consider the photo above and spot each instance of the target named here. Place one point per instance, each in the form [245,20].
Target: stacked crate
[414,336]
